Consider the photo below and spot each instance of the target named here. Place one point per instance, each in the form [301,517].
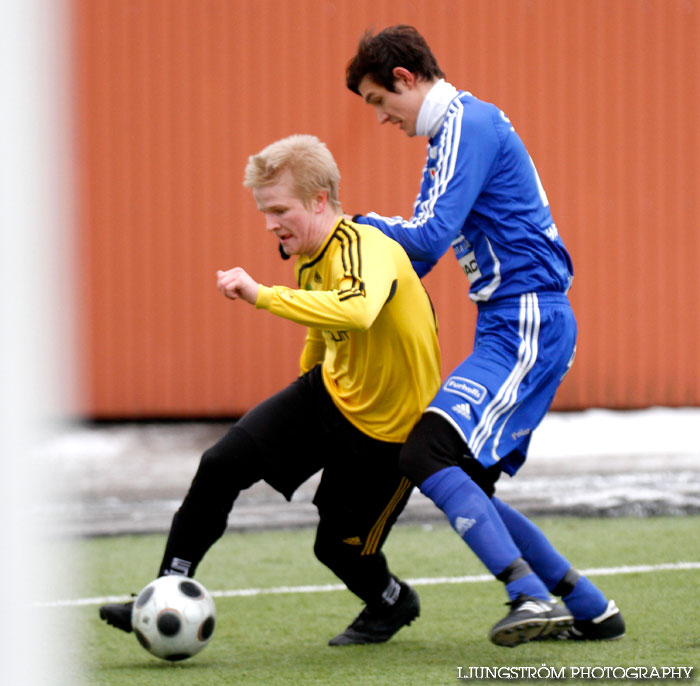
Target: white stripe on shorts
[505,400]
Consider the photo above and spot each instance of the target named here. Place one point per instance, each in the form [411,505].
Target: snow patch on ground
[131,477]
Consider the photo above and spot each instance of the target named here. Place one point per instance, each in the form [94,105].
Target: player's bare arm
[237,283]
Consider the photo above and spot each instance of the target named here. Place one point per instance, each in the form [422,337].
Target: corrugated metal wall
[173,95]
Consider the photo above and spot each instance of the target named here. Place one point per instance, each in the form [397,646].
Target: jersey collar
[434,108]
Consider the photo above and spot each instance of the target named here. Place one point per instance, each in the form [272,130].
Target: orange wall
[173,95]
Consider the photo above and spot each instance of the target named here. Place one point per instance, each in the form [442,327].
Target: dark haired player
[481,195]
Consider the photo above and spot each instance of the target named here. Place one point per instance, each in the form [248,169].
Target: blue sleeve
[420,267]
[467,147]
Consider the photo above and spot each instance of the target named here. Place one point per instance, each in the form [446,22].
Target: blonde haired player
[369,367]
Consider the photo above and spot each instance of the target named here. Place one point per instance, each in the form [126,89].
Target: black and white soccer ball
[173,617]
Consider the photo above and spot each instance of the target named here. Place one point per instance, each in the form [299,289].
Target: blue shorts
[523,348]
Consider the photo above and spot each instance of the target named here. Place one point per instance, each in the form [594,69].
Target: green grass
[269,639]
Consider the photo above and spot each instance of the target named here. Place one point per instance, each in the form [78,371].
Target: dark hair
[396,46]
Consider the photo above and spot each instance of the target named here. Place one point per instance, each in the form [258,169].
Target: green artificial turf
[281,637]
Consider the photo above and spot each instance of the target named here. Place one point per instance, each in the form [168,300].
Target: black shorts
[299,431]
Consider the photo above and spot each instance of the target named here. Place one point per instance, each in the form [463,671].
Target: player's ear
[319,201]
[405,77]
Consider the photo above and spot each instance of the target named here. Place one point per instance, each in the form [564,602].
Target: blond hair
[308,159]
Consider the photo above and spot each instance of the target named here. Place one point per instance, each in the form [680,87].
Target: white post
[36,315]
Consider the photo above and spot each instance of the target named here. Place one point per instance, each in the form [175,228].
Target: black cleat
[605,627]
[118,615]
[528,619]
[380,624]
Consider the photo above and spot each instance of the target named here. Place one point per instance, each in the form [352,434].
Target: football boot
[530,618]
[380,623]
[118,615]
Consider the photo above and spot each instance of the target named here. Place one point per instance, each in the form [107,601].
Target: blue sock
[586,600]
[538,552]
[473,516]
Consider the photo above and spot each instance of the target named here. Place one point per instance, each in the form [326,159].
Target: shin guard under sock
[475,519]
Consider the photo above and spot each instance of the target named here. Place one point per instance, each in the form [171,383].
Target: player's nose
[382,117]
[271,222]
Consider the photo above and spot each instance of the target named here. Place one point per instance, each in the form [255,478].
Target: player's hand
[237,283]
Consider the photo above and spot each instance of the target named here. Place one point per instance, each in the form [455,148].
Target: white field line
[428,581]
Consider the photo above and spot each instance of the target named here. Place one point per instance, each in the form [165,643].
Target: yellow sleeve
[363,281]
[314,350]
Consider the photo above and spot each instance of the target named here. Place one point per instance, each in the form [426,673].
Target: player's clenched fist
[237,283]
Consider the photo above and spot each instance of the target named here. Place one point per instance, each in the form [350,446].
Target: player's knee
[334,549]
[208,474]
[328,551]
[212,466]
[433,445]
[233,463]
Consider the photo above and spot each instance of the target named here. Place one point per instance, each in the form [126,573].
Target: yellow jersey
[371,326]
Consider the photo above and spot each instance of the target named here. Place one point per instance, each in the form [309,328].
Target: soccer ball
[173,617]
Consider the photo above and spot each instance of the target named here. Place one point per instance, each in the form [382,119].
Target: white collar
[434,108]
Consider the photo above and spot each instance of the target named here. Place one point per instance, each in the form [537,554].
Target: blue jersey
[481,195]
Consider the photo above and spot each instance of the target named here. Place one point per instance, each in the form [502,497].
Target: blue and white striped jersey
[481,194]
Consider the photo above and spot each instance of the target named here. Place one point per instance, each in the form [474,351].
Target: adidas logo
[464,409]
[463,524]
[354,540]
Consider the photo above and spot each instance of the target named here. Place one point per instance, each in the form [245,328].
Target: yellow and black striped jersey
[371,325]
